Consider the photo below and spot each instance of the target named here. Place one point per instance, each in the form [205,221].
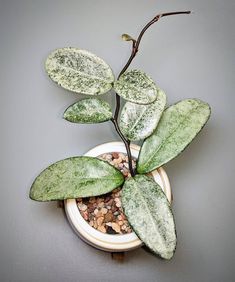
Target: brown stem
[127,145]
[135,48]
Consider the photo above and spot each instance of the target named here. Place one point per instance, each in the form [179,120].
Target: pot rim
[103,241]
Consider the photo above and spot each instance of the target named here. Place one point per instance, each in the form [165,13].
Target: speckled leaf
[178,126]
[75,177]
[137,87]
[149,213]
[137,122]
[79,71]
[91,110]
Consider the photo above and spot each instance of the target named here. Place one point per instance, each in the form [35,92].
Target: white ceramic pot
[109,242]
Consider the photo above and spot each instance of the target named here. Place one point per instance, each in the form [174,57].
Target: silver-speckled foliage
[150,215]
[91,110]
[137,87]
[79,71]
[75,177]
[137,122]
[178,126]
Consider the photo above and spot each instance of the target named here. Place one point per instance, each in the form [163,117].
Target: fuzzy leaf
[79,71]
[137,122]
[75,177]
[149,213]
[91,110]
[137,87]
[178,126]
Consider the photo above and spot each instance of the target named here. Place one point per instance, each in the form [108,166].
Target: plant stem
[127,145]
[135,46]
[135,49]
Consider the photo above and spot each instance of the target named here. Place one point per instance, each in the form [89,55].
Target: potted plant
[89,216]
[165,133]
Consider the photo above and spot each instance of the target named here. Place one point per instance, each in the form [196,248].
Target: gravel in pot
[105,213]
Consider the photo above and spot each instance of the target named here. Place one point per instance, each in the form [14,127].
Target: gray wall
[188,56]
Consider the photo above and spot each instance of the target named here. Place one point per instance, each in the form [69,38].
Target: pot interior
[105,213]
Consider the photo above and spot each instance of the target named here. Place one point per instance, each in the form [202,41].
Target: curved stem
[135,46]
[135,49]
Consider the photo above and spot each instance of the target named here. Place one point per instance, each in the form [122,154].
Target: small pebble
[126,165]
[108,217]
[115,155]
[99,200]
[109,157]
[101,228]
[117,194]
[100,220]
[120,165]
[120,222]
[82,207]
[91,209]
[85,215]
[119,160]
[96,211]
[125,172]
[92,200]
[100,205]
[104,210]
[99,214]
[118,202]
[121,155]
[116,227]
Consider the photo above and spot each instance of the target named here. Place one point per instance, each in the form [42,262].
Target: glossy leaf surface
[79,71]
[91,110]
[75,177]
[178,126]
[149,213]
[137,87]
[137,122]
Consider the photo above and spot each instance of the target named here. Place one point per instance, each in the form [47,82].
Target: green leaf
[149,213]
[75,177]
[137,122]
[127,37]
[137,87]
[91,110]
[79,71]
[178,126]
